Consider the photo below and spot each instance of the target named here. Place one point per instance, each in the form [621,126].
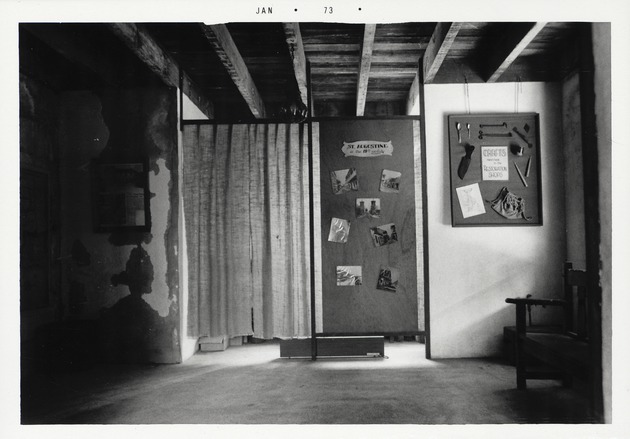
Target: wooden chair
[563,349]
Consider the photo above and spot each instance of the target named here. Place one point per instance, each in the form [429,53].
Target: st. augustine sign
[367,148]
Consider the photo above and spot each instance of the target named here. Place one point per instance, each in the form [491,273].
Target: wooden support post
[413,95]
[311,205]
[590,161]
[425,215]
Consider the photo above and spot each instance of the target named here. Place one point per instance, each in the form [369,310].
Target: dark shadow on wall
[131,331]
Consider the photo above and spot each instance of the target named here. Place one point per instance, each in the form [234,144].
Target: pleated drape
[246,215]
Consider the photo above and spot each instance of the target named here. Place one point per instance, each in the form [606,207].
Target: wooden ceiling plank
[331,48]
[296,50]
[364,68]
[161,63]
[393,74]
[416,46]
[517,43]
[438,47]
[219,37]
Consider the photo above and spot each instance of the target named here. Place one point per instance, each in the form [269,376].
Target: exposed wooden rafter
[161,63]
[77,50]
[364,69]
[219,37]
[438,47]
[296,50]
[412,96]
[509,48]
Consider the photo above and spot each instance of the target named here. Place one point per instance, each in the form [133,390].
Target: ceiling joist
[350,64]
[412,97]
[364,68]
[219,37]
[161,63]
[296,50]
[509,48]
[438,47]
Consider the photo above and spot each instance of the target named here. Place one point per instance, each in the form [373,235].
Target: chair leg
[567,380]
[521,369]
[521,382]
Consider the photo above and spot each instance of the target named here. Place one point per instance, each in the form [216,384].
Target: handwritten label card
[367,148]
[494,163]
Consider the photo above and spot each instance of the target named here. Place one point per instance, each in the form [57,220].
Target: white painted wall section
[473,270]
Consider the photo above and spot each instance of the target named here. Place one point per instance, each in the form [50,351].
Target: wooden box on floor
[213,344]
[334,347]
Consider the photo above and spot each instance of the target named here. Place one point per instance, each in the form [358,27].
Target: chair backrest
[576,297]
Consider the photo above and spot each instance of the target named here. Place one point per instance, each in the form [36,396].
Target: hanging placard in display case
[494,164]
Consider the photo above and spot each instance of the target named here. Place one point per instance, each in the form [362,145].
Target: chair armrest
[531,301]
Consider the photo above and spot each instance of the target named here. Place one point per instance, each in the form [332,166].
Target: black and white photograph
[368,208]
[387,279]
[390,181]
[344,180]
[349,275]
[334,219]
[339,230]
[384,235]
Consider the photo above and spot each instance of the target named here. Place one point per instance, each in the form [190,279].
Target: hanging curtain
[246,216]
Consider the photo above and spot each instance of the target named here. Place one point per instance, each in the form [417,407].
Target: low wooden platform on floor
[334,347]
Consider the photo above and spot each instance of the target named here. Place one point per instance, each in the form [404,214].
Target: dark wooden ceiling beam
[438,47]
[219,37]
[159,62]
[76,50]
[364,68]
[508,49]
[296,50]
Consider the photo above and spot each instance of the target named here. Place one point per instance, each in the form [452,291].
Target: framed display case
[494,164]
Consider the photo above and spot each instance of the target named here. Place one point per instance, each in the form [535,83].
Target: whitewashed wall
[473,270]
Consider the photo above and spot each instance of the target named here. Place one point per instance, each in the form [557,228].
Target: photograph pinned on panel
[368,207]
[387,279]
[390,181]
[339,230]
[349,275]
[344,180]
[384,235]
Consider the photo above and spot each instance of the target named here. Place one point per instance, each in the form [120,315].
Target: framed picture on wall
[495,167]
[121,197]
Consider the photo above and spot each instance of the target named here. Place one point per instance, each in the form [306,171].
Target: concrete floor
[250,384]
